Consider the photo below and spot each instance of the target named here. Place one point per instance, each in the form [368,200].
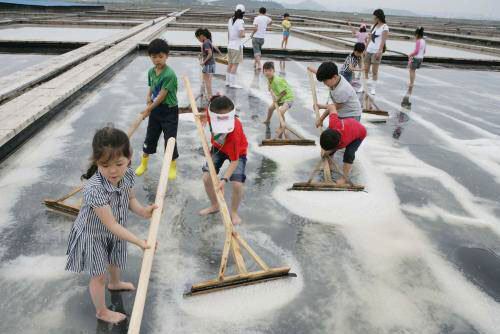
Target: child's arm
[148,99]
[230,170]
[312,69]
[159,99]
[218,50]
[330,109]
[106,217]
[138,209]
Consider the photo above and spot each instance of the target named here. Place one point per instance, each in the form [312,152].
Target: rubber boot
[172,173]
[143,167]
[228,75]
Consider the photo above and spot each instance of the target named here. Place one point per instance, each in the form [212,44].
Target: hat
[240,7]
[222,123]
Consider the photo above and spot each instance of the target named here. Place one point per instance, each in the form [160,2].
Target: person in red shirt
[228,143]
[345,133]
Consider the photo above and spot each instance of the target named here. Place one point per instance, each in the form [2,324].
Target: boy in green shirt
[281,92]
[161,108]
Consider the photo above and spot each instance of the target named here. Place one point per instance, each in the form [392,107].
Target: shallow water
[434,50]
[380,261]
[272,40]
[55,33]
[18,61]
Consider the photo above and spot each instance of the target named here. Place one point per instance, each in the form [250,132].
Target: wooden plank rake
[369,103]
[147,261]
[278,141]
[233,240]
[328,184]
[60,206]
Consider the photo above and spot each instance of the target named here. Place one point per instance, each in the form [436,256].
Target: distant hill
[308,5]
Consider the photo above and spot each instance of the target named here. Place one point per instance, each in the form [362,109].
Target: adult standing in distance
[260,24]
[378,37]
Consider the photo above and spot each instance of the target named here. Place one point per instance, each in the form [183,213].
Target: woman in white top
[415,61]
[376,46]
[235,32]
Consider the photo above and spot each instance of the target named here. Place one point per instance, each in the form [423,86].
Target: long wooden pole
[326,165]
[226,217]
[147,261]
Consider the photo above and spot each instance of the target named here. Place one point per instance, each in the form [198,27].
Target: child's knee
[100,279]
[237,185]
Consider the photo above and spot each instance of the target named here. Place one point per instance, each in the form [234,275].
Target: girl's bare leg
[214,206]
[207,77]
[114,280]
[96,287]
[270,111]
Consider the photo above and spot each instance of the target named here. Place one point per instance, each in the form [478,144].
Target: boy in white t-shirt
[260,24]
[235,32]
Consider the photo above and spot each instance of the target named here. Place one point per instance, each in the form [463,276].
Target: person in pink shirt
[415,60]
[360,35]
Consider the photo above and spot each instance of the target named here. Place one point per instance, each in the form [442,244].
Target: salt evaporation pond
[380,261]
[18,62]
[272,40]
[57,33]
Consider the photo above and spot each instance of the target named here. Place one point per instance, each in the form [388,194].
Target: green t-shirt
[278,85]
[166,80]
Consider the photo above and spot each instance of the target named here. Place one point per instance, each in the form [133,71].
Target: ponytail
[238,15]
[419,32]
[90,171]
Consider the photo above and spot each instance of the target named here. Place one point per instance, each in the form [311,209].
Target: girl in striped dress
[98,239]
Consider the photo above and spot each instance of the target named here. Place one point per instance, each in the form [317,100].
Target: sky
[446,8]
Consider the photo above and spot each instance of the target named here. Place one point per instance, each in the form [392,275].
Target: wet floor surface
[17,62]
[272,40]
[388,260]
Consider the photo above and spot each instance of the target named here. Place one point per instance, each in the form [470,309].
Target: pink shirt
[419,49]
[361,36]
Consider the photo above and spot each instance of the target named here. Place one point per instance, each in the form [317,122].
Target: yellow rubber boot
[172,173]
[143,167]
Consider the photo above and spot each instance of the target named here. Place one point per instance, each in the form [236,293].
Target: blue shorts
[219,157]
[347,76]
[209,68]
[286,33]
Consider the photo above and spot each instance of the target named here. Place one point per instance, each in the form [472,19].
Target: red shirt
[349,129]
[235,144]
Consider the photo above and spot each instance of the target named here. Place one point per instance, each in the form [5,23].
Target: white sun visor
[222,123]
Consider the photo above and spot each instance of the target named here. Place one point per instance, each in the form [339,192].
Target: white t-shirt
[376,38]
[346,95]
[234,33]
[261,21]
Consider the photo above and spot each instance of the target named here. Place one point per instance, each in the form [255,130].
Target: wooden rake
[147,260]
[278,141]
[369,105]
[233,240]
[60,206]
[328,184]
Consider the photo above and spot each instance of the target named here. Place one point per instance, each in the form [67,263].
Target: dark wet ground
[394,269]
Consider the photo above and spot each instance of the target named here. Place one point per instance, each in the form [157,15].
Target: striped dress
[91,246]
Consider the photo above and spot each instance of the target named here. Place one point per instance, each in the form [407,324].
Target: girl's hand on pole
[148,211]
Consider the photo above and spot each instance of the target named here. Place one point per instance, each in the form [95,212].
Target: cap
[222,123]
[240,7]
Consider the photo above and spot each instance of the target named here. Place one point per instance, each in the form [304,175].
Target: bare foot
[341,181]
[121,286]
[208,211]
[235,218]
[110,316]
